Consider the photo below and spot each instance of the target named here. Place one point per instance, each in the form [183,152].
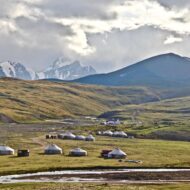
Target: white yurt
[117,153]
[80,138]
[90,138]
[108,133]
[78,152]
[53,149]
[119,134]
[69,135]
[5,150]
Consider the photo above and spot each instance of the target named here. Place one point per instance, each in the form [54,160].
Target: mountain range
[60,69]
[167,70]
[163,71]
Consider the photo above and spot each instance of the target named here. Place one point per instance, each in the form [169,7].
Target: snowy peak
[67,70]
[16,70]
[60,69]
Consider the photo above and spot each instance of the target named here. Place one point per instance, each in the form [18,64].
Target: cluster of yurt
[6,150]
[112,122]
[71,136]
[78,152]
[109,133]
[54,149]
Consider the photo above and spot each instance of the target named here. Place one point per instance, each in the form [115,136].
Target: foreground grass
[76,186]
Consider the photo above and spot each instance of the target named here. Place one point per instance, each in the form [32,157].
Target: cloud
[106,33]
[172,39]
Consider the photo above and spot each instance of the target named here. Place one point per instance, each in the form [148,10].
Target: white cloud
[172,39]
[69,27]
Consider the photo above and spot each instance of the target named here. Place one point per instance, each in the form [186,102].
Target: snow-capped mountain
[16,70]
[66,70]
[61,69]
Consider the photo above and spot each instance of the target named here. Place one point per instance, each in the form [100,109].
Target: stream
[92,176]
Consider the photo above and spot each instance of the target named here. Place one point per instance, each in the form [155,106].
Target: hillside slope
[24,101]
[167,119]
[168,70]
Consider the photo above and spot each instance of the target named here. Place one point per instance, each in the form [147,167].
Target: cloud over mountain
[37,31]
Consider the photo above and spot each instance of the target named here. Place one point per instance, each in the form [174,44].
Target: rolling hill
[25,101]
[163,71]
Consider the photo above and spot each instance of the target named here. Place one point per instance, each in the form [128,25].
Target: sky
[107,34]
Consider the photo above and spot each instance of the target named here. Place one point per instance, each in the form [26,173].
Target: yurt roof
[5,148]
[117,151]
[78,150]
[52,147]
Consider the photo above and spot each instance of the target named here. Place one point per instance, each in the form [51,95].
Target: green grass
[91,186]
[153,153]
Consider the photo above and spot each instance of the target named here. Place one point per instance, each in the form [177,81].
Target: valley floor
[152,153]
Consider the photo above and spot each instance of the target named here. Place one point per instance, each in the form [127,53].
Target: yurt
[108,133]
[117,153]
[53,149]
[78,152]
[69,135]
[5,150]
[80,138]
[90,138]
[120,134]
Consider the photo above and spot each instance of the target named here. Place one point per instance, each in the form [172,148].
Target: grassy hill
[25,101]
[167,119]
[30,101]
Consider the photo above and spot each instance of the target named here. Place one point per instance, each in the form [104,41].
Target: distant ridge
[166,70]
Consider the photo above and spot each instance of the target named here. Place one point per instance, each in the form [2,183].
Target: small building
[80,138]
[23,153]
[105,153]
[6,150]
[90,138]
[117,154]
[78,152]
[53,149]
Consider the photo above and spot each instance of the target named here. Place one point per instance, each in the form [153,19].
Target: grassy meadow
[152,153]
[91,186]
